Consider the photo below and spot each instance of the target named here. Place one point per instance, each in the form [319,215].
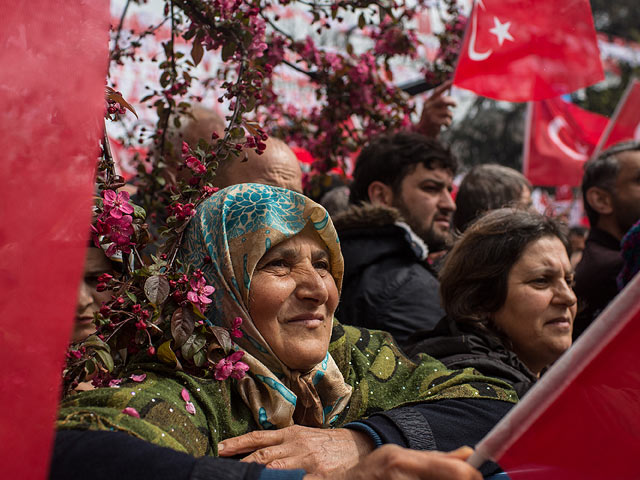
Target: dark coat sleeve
[80,454]
[443,425]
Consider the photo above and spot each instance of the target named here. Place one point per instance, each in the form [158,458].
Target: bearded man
[402,210]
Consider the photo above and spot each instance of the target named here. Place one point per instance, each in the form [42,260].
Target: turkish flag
[581,421]
[54,56]
[625,122]
[560,138]
[521,50]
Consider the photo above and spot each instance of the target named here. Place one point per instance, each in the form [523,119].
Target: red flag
[560,138]
[625,122]
[581,421]
[520,50]
[54,57]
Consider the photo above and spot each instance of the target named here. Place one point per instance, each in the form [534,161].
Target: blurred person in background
[488,187]
[611,196]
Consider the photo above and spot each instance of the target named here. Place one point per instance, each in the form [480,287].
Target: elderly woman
[274,259]
[506,287]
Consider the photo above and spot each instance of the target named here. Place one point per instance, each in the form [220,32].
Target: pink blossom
[138,378]
[185,395]
[191,408]
[115,382]
[235,331]
[240,369]
[236,356]
[231,367]
[120,231]
[223,369]
[200,291]
[116,204]
[132,412]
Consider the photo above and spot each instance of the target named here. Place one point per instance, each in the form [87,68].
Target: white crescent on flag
[500,30]
[473,54]
[557,124]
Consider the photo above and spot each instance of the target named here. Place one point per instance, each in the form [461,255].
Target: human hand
[316,450]
[391,462]
[436,111]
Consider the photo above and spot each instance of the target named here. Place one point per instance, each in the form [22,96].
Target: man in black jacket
[402,211]
[611,194]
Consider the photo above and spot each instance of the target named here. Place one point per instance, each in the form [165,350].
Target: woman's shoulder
[168,408]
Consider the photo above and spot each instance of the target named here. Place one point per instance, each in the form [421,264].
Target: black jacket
[388,284]
[461,346]
[596,277]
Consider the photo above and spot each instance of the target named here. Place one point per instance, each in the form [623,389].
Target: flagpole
[528,120]
[614,118]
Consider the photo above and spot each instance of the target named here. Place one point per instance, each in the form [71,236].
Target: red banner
[625,122]
[520,50]
[582,419]
[54,56]
[560,138]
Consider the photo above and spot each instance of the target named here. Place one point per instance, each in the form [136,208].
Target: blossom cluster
[114,225]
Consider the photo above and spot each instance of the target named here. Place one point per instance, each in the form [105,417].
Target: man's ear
[380,193]
[600,200]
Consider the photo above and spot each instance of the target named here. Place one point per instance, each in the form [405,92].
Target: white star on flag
[501,31]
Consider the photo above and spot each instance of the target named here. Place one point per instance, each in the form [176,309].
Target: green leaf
[166,354]
[228,50]
[96,342]
[164,78]
[131,296]
[156,288]
[182,325]
[197,51]
[200,358]
[139,212]
[193,345]
[223,337]
[362,21]
[237,132]
[105,358]
[198,313]
[90,366]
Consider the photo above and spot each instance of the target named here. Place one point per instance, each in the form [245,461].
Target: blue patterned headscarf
[234,228]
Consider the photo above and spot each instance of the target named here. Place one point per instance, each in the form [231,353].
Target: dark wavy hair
[474,278]
[487,187]
[390,158]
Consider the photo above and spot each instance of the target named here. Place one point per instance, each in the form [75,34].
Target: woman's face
[292,300]
[538,313]
[89,299]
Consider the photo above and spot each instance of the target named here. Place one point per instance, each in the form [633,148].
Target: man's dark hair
[487,187]
[474,278]
[602,172]
[390,158]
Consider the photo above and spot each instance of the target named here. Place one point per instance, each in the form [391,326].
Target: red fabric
[627,122]
[560,139]
[54,56]
[520,50]
[590,429]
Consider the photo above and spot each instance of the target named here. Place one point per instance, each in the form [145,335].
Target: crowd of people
[400,325]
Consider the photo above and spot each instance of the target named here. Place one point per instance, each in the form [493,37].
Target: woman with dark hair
[506,287]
